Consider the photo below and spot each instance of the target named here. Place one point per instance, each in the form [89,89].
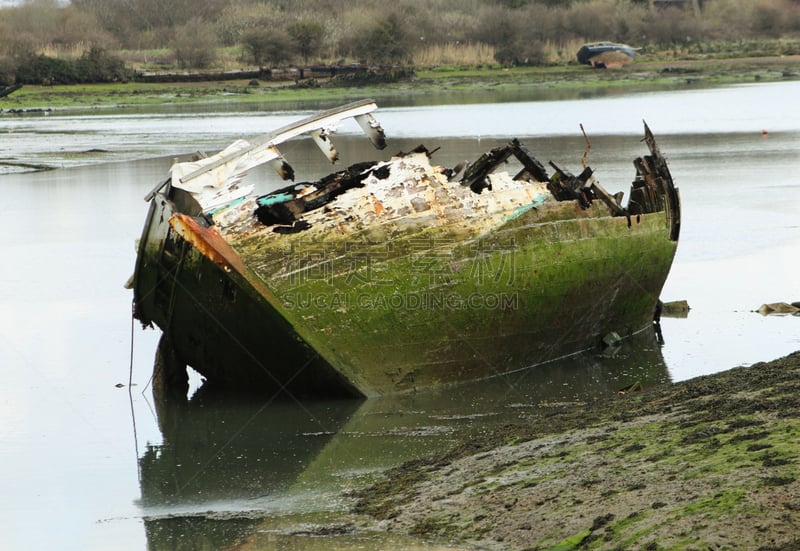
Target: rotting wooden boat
[393,276]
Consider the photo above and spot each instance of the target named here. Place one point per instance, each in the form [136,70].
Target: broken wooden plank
[611,201]
[9,90]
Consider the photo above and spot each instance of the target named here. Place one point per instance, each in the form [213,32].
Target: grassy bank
[642,73]
[706,463]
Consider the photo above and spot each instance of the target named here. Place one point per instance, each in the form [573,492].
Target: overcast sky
[9,3]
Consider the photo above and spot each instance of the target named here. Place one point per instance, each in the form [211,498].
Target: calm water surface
[88,465]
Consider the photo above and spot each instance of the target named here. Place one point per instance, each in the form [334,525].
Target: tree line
[91,40]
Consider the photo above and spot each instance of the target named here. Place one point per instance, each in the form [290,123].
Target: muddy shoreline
[431,83]
[711,462]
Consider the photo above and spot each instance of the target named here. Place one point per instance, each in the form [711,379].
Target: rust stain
[207,241]
[211,244]
[379,209]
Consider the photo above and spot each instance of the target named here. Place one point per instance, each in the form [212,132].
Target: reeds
[454,53]
[64,51]
[479,53]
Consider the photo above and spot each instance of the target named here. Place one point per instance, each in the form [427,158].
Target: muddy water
[88,465]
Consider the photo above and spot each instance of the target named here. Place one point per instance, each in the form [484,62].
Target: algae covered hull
[393,276]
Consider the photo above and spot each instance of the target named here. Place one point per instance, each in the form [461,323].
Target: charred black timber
[658,165]
[327,189]
[202,77]
[565,186]
[648,187]
[476,175]
[533,167]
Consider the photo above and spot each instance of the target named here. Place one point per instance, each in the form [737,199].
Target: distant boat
[605,54]
[399,275]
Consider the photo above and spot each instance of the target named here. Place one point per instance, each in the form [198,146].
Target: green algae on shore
[434,82]
[709,462]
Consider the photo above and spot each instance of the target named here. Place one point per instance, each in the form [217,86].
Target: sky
[11,3]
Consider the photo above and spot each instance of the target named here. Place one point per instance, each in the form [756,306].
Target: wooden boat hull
[395,286]
[217,321]
[532,291]
[526,294]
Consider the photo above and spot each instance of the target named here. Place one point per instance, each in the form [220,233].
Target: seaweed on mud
[720,442]
[749,436]
[778,480]
[744,422]
[773,460]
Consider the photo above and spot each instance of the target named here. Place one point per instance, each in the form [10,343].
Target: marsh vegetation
[45,41]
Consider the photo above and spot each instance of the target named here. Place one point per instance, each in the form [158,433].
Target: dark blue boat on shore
[593,53]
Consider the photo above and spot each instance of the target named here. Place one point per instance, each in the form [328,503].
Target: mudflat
[647,72]
[708,463]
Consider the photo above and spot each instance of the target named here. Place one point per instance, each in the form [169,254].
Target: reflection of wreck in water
[392,276]
[222,458]
[234,473]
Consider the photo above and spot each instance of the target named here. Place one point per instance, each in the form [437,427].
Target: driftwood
[9,89]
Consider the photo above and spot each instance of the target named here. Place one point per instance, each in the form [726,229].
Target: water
[86,464]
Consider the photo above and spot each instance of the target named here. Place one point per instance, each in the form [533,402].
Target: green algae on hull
[396,276]
[452,311]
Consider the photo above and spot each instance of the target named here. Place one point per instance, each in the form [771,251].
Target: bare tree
[308,37]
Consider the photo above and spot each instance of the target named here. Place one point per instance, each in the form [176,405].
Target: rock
[778,308]
[612,339]
[675,309]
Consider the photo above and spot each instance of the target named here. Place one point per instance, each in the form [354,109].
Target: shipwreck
[398,275]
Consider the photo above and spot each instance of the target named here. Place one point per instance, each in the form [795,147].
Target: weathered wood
[531,164]
[610,200]
[293,292]
[476,174]
[9,90]
[565,186]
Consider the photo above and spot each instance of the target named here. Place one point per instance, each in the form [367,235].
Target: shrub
[510,34]
[769,17]
[273,46]
[8,71]
[672,26]
[97,65]
[93,66]
[385,41]
[195,44]
[307,35]
[46,70]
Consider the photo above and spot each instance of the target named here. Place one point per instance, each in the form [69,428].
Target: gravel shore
[709,463]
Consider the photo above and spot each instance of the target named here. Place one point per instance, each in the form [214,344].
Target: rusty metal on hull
[393,276]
